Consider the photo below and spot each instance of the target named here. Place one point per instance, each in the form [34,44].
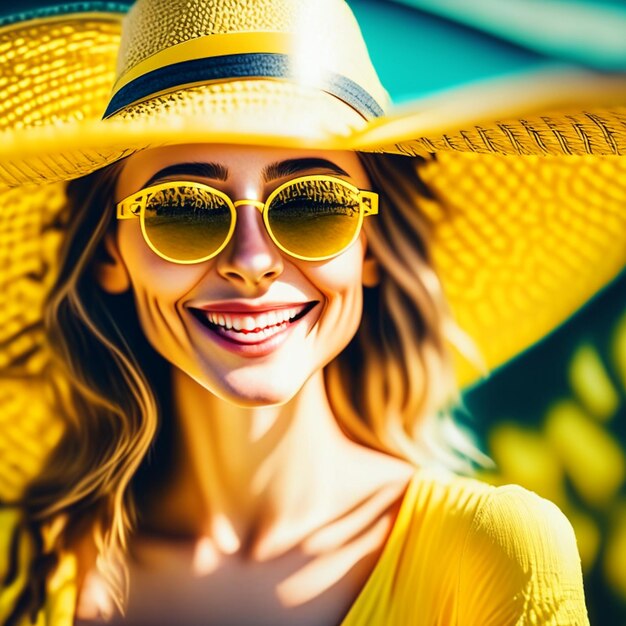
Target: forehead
[237,163]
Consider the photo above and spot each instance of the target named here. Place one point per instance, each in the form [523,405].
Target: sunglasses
[312,218]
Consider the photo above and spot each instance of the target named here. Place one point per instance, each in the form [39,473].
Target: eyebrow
[201,170]
[294,166]
[270,172]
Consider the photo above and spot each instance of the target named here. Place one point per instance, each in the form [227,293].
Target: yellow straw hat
[530,189]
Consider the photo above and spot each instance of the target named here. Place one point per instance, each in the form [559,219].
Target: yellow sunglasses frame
[134,206]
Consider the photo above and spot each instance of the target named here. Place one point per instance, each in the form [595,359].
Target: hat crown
[324,35]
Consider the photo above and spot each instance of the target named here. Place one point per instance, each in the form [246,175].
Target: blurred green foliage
[554,421]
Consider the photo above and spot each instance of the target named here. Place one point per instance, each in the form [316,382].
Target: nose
[251,256]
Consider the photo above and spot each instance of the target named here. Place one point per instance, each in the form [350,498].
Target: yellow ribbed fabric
[464,553]
[461,553]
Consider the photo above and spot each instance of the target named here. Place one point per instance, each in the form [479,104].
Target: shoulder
[520,561]
[523,527]
[447,498]
[493,556]
[441,511]
[517,522]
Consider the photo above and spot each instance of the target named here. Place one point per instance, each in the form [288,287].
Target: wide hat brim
[530,187]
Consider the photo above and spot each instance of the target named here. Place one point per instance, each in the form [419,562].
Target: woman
[249,495]
[250,361]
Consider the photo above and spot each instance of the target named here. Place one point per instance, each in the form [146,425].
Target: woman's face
[251,283]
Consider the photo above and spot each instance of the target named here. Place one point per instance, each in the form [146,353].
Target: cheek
[339,280]
[149,272]
[157,285]
[340,275]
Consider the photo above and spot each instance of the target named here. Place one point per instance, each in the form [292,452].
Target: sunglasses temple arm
[131,207]
[369,202]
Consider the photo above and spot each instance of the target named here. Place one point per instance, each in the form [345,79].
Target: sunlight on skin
[205,558]
[261,427]
[164,290]
[263,467]
[225,538]
[344,527]
[266,486]
[324,537]
[313,579]
[95,601]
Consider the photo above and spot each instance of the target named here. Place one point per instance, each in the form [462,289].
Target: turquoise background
[418,53]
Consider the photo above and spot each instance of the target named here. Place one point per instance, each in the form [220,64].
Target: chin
[254,391]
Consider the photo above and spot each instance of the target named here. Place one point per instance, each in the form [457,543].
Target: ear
[110,271]
[371,270]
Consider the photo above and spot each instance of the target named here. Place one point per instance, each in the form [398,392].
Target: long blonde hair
[392,388]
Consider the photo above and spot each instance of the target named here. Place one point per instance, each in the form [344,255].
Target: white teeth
[264,321]
[248,323]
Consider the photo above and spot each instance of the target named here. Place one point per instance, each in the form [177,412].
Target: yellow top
[461,553]
[465,553]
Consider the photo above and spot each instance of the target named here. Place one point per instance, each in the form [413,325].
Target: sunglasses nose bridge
[250,255]
[255,203]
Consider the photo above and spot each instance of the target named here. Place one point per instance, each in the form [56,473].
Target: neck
[257,478]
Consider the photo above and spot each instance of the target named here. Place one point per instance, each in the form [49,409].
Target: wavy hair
[391,389]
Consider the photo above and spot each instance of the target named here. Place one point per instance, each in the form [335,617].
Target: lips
[250,325]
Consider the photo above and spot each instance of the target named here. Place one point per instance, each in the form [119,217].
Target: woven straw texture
[520,243]
[61,70]
[597,131]
[339,49]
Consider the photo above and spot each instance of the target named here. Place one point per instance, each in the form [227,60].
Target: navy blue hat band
[233,67]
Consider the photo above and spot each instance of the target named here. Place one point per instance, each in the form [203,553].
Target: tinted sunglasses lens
[186,223]
[315,218]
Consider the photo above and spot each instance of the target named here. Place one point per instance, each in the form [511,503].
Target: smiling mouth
[251,328]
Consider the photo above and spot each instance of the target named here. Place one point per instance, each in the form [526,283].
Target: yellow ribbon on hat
[223,44]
